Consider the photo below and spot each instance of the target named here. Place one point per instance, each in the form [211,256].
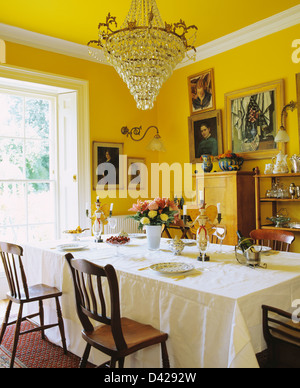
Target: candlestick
[201,195]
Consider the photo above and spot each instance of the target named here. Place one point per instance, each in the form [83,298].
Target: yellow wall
[111,105]
[261,61]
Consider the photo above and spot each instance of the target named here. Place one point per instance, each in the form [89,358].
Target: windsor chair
[117,337]
[21,293]
[278,240]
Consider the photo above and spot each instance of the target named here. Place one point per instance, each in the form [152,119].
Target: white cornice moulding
[265,27]
[255,31]
[48,43]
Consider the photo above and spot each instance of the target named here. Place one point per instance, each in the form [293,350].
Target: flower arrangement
[228,154]
[155,212]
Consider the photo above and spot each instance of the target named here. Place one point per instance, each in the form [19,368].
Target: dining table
[211,310]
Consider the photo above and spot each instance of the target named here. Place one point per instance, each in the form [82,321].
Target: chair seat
[136,335]
[36,292]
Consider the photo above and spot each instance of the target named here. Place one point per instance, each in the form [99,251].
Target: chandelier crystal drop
[144,51]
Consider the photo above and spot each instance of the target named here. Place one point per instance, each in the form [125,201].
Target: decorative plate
[137,235]
[172,267]
[71,247]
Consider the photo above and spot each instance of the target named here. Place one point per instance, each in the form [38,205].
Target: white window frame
[53,176]
[46,81]
[83,126]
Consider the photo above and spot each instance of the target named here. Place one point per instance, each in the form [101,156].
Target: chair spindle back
[91,301]
[11,255]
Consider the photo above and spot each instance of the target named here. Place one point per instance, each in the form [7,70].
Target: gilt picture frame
[201,92]
[107,171]
[252,117]
[298,100]
[205,135]
[135,168]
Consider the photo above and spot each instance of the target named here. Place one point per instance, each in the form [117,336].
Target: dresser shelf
[259,200]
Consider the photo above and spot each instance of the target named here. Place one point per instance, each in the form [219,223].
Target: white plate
[137,235]
[71,247]
[172,267]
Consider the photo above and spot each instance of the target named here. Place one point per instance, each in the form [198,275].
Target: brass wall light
[136,134]
[282,135]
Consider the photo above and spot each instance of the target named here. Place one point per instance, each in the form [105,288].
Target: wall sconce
[135,133]
[282,135]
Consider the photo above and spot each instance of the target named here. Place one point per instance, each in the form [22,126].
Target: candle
[111,207]
[219,208]
[201,195]
[184,210]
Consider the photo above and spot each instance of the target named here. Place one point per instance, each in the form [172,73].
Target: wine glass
[203,245]
[220,233]
[112,222]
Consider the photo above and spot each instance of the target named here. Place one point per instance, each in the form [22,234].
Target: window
[28,183]
[63,106]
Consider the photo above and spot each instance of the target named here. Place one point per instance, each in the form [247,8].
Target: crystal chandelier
[144,51]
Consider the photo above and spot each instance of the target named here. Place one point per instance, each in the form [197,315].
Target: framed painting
[106,166]
[205,135]
[135,168]
[253,118]
[201,90]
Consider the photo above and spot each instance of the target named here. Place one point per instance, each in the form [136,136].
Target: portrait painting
[201,92]
[253,119]
[106,165]
[205,135]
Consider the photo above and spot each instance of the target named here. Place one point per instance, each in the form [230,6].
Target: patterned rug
[33,352]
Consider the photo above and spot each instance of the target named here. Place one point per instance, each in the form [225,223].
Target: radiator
[123,224]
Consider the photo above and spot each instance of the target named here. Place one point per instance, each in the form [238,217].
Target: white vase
[153,233]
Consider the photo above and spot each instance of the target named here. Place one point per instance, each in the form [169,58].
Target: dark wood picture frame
[197,142]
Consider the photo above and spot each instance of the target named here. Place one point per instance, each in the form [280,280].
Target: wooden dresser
[235,191]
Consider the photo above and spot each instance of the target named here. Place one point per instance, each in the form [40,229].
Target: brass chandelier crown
[144,51]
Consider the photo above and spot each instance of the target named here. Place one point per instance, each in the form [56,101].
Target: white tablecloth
[213,320]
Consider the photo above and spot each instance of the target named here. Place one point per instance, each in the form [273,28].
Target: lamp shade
[282,136]
[156,144]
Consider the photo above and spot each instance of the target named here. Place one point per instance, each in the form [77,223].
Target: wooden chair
[20,293]
[118,337]
[278,240]
[282,336]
